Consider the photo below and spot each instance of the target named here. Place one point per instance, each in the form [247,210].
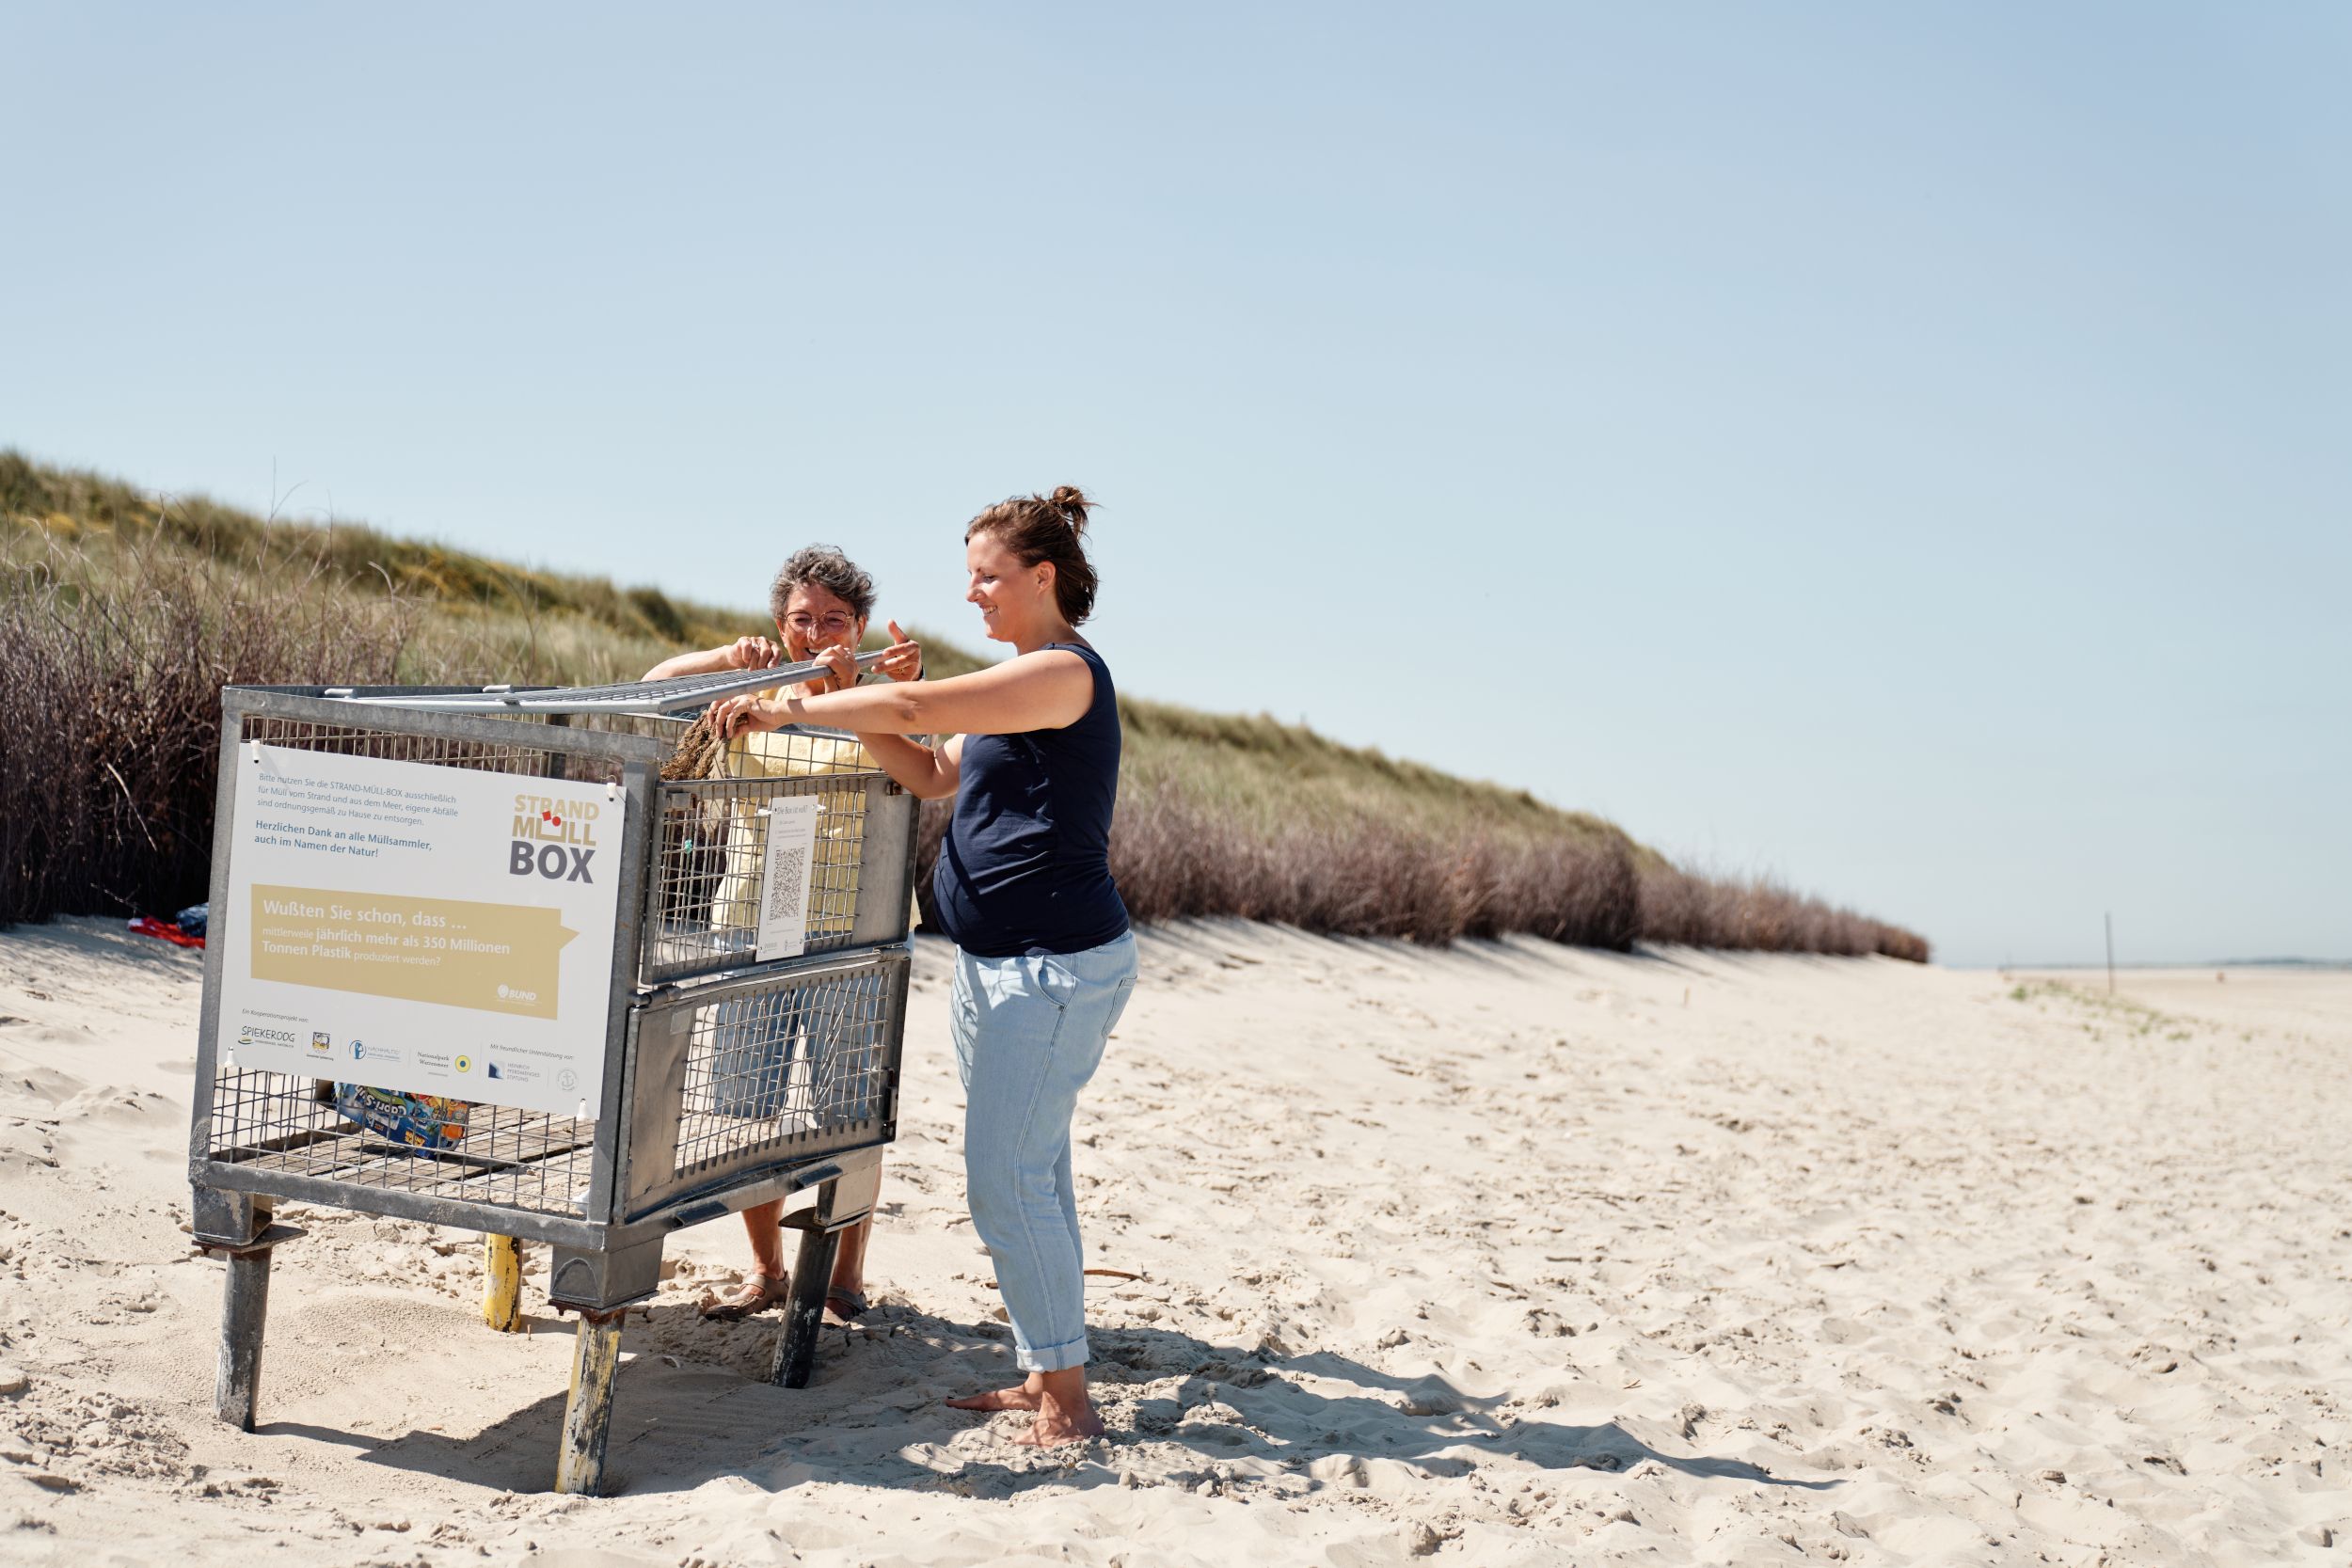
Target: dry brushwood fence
[109,745]
[110,736]
[1174,861]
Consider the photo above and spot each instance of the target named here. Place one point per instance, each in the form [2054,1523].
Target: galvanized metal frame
[675,695]
[639,759]
[609,1220]
[609,1253]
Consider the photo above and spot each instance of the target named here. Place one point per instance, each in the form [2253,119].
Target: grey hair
[829,569]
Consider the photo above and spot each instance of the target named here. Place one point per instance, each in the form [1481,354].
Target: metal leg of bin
[841,1203]
[588,1411]
[244,1315]
[804,1309]
[502,1283]
[245,1308]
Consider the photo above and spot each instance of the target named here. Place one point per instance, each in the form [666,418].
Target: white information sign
[792,857]
[433,930]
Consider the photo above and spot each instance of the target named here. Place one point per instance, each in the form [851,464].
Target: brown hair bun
[1073,504]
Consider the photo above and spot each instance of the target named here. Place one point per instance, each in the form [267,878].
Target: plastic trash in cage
[407,1120]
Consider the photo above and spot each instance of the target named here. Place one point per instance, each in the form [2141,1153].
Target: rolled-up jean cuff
[1053,1359]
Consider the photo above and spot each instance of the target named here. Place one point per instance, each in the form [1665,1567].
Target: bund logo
[322,1042]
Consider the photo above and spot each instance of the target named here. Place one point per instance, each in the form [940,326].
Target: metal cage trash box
[711,1077]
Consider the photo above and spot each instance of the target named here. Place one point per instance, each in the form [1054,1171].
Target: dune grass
[121,617]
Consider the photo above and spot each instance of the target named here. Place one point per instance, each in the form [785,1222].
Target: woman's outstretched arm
[1049,690]
[744,652]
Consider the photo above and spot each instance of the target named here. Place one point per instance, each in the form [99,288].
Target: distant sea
[2329,964]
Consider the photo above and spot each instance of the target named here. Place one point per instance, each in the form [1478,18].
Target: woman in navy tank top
[1044,963]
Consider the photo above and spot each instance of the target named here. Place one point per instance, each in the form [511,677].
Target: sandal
[756,1294]
[849,1306]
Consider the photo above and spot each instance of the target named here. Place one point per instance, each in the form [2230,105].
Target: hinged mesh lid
[639,697]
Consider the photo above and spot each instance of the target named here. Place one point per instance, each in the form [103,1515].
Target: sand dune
[1507,1255]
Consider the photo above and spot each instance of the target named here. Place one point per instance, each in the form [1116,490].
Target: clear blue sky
[1906,448]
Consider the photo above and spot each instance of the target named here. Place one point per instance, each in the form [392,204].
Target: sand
[1508,1255]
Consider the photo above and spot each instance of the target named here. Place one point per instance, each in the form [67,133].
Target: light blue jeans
[1029,1033]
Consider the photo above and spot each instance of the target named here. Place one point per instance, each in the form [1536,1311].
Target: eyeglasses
[831,625]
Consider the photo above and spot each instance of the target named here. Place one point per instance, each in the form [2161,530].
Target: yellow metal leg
[588,1413]
[502,1283]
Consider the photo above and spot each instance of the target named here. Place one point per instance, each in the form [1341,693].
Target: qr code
[788,881]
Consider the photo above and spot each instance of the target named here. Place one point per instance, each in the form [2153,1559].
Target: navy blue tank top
[1025,866]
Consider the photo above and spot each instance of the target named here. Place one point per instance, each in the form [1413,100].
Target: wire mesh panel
[263,1124]
[634,698]
[273,1122]
[269,1121]
[781,1066]
[716,879]
[518,757]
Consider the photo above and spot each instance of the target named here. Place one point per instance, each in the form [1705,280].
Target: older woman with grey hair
[820,601]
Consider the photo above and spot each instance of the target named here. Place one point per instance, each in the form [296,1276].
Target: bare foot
[1057,1423]
[1019,1397]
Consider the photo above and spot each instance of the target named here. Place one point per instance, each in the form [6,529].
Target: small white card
[790,868]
